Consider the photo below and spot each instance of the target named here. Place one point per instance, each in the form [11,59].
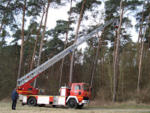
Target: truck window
[29,89]
[77,87]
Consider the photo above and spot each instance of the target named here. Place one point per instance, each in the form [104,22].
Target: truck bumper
[84,102]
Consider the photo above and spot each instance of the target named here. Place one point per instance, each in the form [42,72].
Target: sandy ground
[5,107]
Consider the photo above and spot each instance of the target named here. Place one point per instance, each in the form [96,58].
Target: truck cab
[79,95]
[80,89]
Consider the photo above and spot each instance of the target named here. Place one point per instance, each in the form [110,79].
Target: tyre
[80,106]
[42,105]
[72,103]
[32,101]
[54,106]
[23,104]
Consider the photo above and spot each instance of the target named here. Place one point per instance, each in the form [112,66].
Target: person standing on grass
[14,97]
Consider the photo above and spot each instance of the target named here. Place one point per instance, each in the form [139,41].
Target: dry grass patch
[5,107]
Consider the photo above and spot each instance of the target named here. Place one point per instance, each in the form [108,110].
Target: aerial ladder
[24,83]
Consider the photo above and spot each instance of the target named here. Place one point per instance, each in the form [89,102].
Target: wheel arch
[31,97]
[72,97]
[28,97]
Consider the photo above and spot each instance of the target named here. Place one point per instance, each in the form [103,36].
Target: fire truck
[74,96]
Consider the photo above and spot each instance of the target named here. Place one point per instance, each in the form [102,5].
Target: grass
[124,105]
[5,107]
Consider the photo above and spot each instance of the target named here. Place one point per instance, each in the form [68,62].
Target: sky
[56,14]
[61,13]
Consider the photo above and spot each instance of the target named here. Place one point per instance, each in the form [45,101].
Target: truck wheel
[80,106]
[23,104]
[32,101]
[72,103]
[42,105]
[54,106]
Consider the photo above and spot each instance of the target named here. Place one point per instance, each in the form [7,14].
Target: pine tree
[22,41]
[42,39]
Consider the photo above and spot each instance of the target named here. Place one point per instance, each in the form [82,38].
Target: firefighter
[14,97]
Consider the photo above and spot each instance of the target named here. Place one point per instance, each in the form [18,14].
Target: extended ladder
[29,76]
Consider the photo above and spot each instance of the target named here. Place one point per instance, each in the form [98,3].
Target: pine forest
[114,62]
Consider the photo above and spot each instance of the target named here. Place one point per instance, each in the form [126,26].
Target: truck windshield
[86,87]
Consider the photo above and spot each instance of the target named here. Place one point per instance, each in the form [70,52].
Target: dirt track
[120,110]
[5,107]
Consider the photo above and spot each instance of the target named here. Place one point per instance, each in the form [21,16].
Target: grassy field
[5,107]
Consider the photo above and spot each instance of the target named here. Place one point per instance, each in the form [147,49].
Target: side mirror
[79,93]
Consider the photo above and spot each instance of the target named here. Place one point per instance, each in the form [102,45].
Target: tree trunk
[140,64]
[35,44]
[66,41]
[141,25]
[95,60]
[43,35]
[141,58]
[116,59]
[139,49]
[22,42]
[109,66]
[1,26]
[149,40]
[76,36]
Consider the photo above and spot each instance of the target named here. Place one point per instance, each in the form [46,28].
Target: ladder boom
[21,81]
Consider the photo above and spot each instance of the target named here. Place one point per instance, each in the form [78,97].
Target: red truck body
[74,96]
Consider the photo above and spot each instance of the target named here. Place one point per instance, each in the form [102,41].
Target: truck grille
[85,98]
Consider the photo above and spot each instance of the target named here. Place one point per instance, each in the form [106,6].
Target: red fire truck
[74,96]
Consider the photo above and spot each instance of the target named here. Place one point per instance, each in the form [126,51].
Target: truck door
[77,90]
